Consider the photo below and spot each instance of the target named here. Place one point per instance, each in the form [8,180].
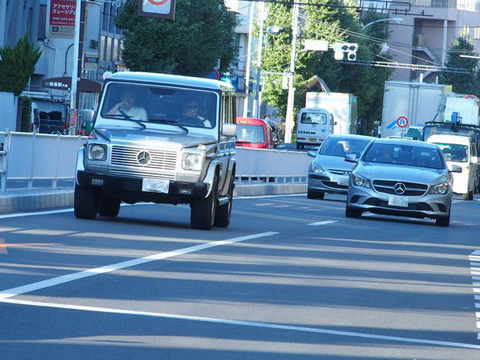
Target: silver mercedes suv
[162,139]
[401,177]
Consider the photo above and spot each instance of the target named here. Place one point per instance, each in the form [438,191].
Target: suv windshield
[250,133]
[342,146]
[159,104]
[408,155]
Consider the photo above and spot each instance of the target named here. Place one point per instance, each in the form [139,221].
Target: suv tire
[443,220]
[85,203]
[202,214]
[224,212]
[315,194]
[352,213]
[108,207]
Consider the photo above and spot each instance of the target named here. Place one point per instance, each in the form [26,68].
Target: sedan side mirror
[455,169]
[351,158]
[312,153]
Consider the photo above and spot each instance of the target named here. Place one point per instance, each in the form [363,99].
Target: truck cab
[313,126]
[461,151]
[162,139]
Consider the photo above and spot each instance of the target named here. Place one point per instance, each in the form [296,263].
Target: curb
[61,198]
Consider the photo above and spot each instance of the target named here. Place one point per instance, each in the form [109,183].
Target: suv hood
[402,173]
[155,138]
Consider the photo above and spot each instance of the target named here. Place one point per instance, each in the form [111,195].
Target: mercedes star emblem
[399,188]
[143,157]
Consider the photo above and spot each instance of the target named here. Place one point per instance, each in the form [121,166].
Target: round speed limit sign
[402,122]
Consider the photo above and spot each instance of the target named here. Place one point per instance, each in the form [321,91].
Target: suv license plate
[155,185]
[399,201]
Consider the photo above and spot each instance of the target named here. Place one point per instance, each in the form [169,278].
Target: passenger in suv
[163,158]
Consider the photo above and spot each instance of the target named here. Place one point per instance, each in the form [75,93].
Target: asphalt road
[291,278]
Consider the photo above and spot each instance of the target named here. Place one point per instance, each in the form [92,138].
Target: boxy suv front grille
[135,161]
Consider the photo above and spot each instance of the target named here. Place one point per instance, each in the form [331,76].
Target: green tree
[462,83]
[335,25]
[17,65]
[201,34]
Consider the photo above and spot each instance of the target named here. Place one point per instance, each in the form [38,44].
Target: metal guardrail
[31,157]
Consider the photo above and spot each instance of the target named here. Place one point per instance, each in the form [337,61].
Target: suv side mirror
[455,169]
[351,158]
[474,160]
[87,115]
[229,129]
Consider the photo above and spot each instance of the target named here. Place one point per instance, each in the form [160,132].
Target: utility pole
[76,47]
[261,21]
[290,121]
[248,65]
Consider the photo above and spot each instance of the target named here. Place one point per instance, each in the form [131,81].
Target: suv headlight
[192,161]
[317,169]
[361,181]
[442,188]
[97,152]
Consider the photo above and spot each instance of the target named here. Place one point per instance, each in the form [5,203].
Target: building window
[115,49]
[465,32]
[109,49]
[42,22]
[476,32]
[102,47]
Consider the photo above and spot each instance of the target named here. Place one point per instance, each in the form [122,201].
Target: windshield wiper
[126,117]
[169,122]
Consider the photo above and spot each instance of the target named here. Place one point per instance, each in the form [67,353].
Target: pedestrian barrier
[31,157]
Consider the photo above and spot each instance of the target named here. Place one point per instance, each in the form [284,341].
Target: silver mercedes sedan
[403,178]
[329,172]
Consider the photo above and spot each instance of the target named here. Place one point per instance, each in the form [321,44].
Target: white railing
[29,157]
[32,157]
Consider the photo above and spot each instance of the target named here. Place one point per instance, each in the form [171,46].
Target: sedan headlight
[442,188]
[360,181]
[192,161]
[317,169]
[97,152]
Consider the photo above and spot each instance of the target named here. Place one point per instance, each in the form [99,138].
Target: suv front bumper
[130,189]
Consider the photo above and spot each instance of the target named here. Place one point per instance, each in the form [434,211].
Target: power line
[413,67]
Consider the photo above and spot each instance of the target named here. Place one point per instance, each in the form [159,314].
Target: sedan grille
[400,188]
[140,162]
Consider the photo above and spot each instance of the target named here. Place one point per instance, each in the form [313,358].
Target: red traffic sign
[157,8]
[402,122]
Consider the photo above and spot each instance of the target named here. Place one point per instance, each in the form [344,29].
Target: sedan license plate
[399,201]
[155,185]
[313,140]
[340,180]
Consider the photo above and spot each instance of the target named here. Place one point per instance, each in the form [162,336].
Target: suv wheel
[85,203]
[352,213]
[470,194]
[224,212]
[108,207]
[202,214]
[443,220]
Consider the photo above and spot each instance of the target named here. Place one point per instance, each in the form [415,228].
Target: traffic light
[341,48]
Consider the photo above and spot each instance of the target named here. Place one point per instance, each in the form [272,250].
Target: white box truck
[464,108]
[407,104]
[326,113]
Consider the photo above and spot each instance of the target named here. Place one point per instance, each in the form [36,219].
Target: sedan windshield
[408,155]
[341,146]
[156,104]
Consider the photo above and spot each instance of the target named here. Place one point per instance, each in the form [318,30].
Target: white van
[313,126]
[461,151]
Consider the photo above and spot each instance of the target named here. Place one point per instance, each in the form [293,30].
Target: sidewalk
[24,200]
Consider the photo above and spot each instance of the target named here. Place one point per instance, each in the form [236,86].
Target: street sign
[90,61]
[164,9]
[62,18]
[214,74]
[402,122]
[316,45]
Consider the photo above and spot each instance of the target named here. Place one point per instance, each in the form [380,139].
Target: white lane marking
[477,297]
[475,271]
[476,252]
[326,222]
[5,294]
[50,212]
[270,196]
[245,323]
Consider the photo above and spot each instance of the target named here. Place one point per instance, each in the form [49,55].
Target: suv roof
[180,80]
[451,139]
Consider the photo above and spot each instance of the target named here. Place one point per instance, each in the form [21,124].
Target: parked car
[329,172]
[403,178]
[254,133]
[460,150]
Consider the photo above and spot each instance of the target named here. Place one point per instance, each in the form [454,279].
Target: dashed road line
[326,222]
[474,259]
[9,293]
